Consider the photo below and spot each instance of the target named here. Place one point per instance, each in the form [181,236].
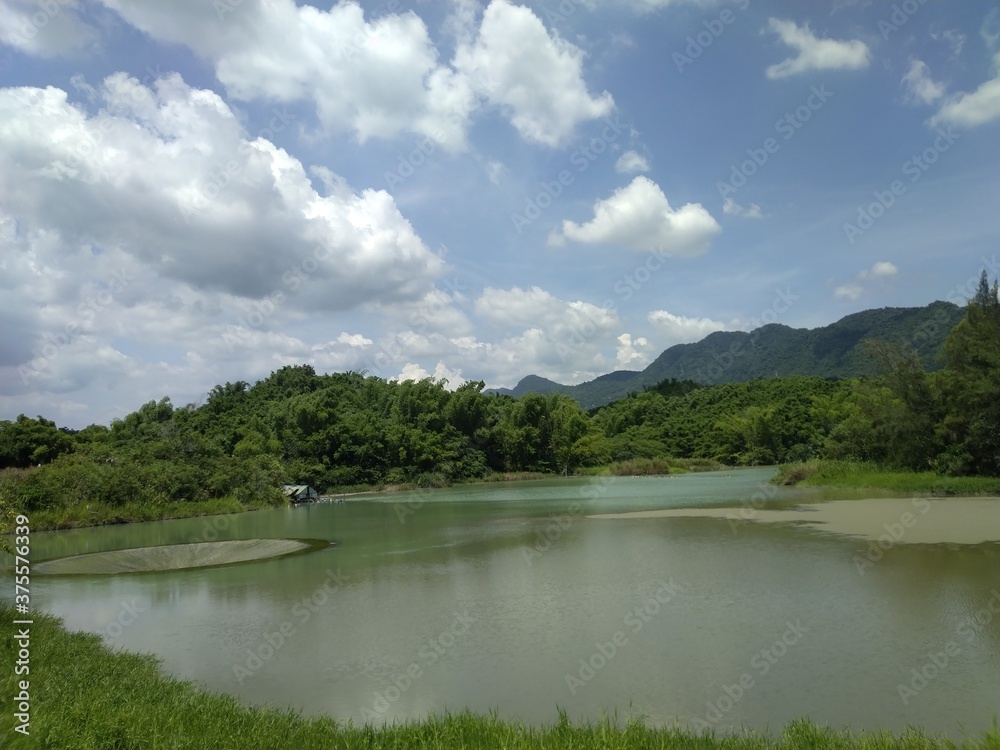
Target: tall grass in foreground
[86,697]
[860,475]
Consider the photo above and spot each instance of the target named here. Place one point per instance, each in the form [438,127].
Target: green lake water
[505,597]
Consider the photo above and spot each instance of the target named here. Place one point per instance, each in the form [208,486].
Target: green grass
[85,696]
[642,467]
[850,474]
[98,514]
[638,467]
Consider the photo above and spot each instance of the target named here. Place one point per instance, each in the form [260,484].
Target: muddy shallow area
[917,520]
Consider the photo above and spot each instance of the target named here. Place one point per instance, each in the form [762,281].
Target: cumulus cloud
[920,88]
[638,216]
[679,329]
[631,162]
[849,291]
[534,77]
[145,175]
[632,352]
[880,271]
[415,372]
[353,339]
[972,108]
[732,208]
[381,77]
[815,53]
[536,307]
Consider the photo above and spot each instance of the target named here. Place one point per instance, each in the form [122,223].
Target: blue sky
[195,193]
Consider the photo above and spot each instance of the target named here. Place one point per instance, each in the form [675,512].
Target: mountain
[833,351]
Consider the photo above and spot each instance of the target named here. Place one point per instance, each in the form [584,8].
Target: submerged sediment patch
[174,556]
[916,520]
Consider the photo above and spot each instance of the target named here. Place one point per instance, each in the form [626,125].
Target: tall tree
[971,385]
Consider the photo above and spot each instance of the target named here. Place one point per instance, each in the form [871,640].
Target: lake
[507,597]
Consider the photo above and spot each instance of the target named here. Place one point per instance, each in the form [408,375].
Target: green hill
[775,350]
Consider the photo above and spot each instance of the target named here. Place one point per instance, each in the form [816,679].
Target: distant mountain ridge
[832,351]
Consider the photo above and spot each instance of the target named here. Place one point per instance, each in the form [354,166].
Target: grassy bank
[848,474]
[97,514]
[86,697]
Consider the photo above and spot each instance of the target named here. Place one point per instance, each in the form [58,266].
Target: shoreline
[847,478]
[906,520]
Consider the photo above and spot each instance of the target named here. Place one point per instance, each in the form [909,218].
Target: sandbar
[908,520]
[170,557]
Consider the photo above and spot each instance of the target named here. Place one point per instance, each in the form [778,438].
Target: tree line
[348,429]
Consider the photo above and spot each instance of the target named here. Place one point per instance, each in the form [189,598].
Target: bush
[640,467]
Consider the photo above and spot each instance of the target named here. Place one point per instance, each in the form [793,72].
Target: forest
[350,430]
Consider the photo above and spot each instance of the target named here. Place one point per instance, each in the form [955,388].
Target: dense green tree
[30,442]
[970,387]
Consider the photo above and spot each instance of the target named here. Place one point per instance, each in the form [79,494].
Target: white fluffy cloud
[534,77]
[638,216]
[920,87]
[732,208]
[678,329]
[535,307]
[375,78]
[381,77]
[633,353]
[631,162]
[415,372]
[973,108]
[168,175]
[155,247]
[815,53]
[880,271]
